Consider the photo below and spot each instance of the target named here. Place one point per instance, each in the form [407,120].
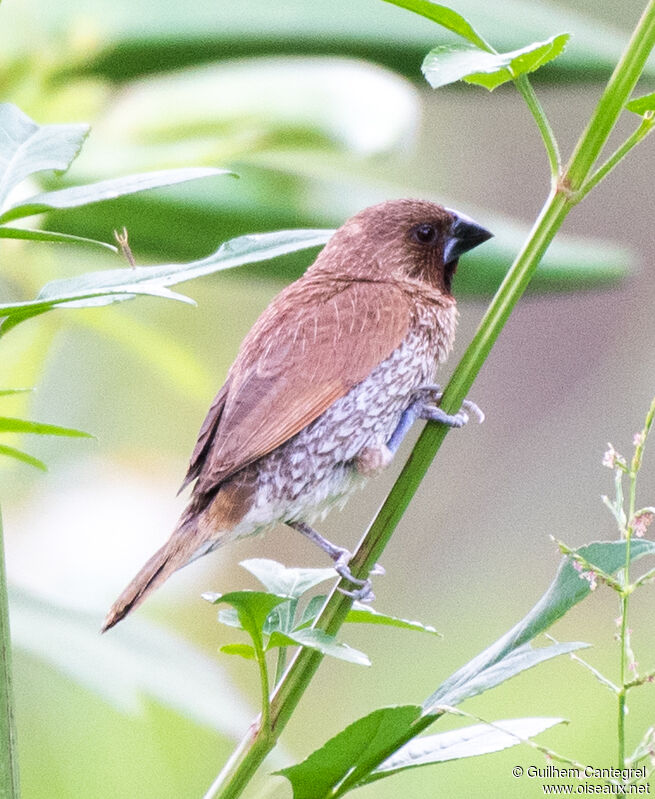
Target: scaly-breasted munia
[324,387]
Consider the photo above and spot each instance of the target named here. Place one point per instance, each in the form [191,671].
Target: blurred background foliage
[322,110]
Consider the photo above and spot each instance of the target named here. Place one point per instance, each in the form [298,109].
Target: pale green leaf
[360,613]
[26,148]
[512,652]
[29,234]
[10,425]
[322,642]
[107,190]
[642,105]
[479,739]
[242,650]
[19,455]
[445,17]
[291,582]
[449,63]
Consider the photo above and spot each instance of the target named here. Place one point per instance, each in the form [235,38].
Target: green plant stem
[524,86]
[626,652]
[647,125]
[560,201]
[617,93]
[9,783]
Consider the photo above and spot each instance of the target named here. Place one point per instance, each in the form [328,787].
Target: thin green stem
[9,782]
[288,692]
[265,686]
[602,172]
[524,86]
[616,95]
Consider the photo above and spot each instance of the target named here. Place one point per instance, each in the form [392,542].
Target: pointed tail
[169,558]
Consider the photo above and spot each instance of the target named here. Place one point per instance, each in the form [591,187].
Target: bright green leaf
[367,741]
[9,425]
[280,580]
[364,614]
[6,392]
[115,285]
[19,455]
[449,63]
[511,653]
[322,642]
[29,234]
[26,148]
[642,105]
[445,17]
[252,607]
[479,739]
[107,190]
[242,650]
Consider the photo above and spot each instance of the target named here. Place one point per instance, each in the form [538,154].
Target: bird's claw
[363,592]
[426,408]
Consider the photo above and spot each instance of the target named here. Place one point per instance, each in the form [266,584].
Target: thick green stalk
[9,784]
[560,201]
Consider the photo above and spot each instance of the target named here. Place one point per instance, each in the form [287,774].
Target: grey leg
[341,558]
[423,406]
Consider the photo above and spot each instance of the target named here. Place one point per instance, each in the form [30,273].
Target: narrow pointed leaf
[364,614]
[445,17]
[479,739]
[10,425]
[6,392]
[107,190]
[19,455]
[29,234]
[322,642]
[26,148]
[242,650]
[497,662]
[449,63]
[116,285]
[367,740]
[280,580]
[641,105]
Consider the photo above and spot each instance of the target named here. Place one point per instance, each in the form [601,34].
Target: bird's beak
[465,234]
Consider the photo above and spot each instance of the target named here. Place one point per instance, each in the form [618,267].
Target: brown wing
[308,349]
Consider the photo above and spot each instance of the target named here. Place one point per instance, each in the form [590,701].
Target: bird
[324,387]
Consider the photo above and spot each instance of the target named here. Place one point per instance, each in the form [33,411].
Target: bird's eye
[425,233]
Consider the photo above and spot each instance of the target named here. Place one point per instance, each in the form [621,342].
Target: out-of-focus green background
[320,118]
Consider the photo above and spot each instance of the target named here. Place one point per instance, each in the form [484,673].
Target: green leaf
[449,63]
[26,148]
[9,425]
[364,614]
[242,650]
[512,653]
[50,235]
[479,739]
[642,105]
[107,190]
[445,17]
[116,285]
[280,580]
[6,392]
[351,753]
[322,642]
[134,661]
[252,607]
[19,455]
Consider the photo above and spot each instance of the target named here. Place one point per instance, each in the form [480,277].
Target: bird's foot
[341,558]
[424,407]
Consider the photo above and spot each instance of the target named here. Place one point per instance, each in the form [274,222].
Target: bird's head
[403,238]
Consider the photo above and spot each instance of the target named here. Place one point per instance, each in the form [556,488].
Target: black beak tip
[465,234]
